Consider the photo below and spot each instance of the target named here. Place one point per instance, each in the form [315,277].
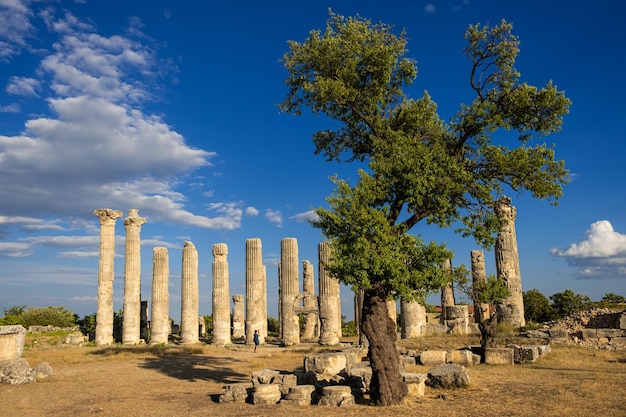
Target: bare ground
[186,381]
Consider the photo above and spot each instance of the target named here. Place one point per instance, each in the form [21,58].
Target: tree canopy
[415,166]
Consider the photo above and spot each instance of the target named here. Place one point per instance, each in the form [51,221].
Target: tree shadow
[197,368]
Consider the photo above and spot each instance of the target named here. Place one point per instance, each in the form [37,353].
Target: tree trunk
[488,331]
[386,387]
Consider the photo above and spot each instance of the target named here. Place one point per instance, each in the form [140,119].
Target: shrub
[48,316]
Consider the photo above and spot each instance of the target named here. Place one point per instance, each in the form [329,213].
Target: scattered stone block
[336,395]
[588,334]
[12,342]
[609,333]
[415,383]
[360,377]
[407,360]
[326,364]
[43,372]
[558,334]
[524,354]
[75,338]
[266,394]
[16,371]
[543,349]
[620,340]
[499,356]
[448,375]
[264,376]
[300,395]
[286,381]
[238,393]
[433,357]
[463,357]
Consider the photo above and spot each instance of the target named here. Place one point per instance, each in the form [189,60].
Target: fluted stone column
[288,284]
[106,275]
[309,303]
[392,310]
[132,279]
[358,317]
[256,311]
[189,295]
[412,319]
[479,275]
[330,302]
[239,324]
[160,323]
[457,319]
[447,294]
[221,296]
[507,266]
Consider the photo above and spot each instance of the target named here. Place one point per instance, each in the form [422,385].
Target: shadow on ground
[197,368]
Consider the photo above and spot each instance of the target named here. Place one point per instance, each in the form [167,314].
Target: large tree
[415,167]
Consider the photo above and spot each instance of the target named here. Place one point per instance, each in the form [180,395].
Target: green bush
[48,316]
[537,307]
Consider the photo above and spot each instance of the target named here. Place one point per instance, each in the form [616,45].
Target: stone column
[221,296]
[106,275]
[507,265]
[160,323]
[330,301]
[457,319]
[358,317]
[256,312]
[392,310]
[288,284]
[189,295]
[239,324]
[132,279]
[479,276]
[308,289]
[412,319]
[447,294]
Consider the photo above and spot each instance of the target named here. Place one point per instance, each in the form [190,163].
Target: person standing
[256,340]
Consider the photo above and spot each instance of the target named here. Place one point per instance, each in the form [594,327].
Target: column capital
[133,218]
[107,215]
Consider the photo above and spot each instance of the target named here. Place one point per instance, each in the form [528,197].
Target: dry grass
[185,381]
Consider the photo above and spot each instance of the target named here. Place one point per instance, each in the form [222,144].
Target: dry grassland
[185,381]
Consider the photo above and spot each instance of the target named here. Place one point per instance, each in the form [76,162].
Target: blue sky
[171,109]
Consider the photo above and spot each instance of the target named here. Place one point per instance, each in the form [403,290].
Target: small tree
[272,326]
[415,168]
[537,307]
[567,302]
[48,316]
[609,298]
[12,316]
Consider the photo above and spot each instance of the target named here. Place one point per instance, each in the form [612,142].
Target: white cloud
[96,147]
[307,216]
[23,86]
[600,254]
[15,249]
[30,223]
[10,108]
[274,216]
[15,27]
[251,211]
[429,8]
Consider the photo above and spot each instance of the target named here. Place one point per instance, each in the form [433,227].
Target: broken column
[239,324]
[256,311]
[412,319]
[106,275]
[160,323]
[479,276]
[189,295]
[221,296]
[132,279]
[288,284]
[392,311]
[330,302]
[308,289]
[511,309]
[447,294]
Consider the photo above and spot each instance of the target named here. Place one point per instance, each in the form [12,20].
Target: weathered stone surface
[543,349]
[160,324]
[463,357]
[16,371]
[499,356]
[43,371]
[457,319]
[189,295]
[287,381]
[524,354]
[337,395]
[326,364]
[412,319]
[479,275]
[12,342]
[609,333]
[220,296]
[433,357]
[407,359]
[360,377]
[240,393]
[238,317]
[329,299]
[558,334]
[256,292]
[288,290]
[588,334]
[75,338]
[104,314]
[448,375]
[266,394]
[132,279]
[264,376]
[415,383]
[300,395]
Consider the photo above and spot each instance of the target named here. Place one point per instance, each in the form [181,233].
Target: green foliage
[610,298]
[272,327]
[567,302]
[419,168]
[12,316]
[48,316]
[537,307]
[348,328]
[14,311]
[208,323]
[87,324]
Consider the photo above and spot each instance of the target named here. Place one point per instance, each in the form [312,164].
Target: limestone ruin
[221,296]
[189,331]
[132,279]
[160,323]
[256,292]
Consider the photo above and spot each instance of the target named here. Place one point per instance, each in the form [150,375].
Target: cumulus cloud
[15,28]
[307,216]
[252,212]
[600,254]
[96,147]
[429,8]
[274,216]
